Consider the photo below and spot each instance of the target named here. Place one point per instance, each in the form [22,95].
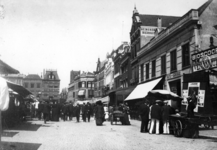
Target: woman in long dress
[99,113]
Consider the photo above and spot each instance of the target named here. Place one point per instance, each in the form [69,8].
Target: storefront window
[142,71]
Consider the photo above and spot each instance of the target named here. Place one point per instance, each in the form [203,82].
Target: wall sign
[174,75]
[205,59]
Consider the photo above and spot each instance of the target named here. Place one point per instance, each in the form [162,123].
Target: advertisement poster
[194,87]
[185,95]
[201,97]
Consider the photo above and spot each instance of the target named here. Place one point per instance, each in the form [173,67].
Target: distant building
[82,87]
[15,78]
[51,85]
[33,83]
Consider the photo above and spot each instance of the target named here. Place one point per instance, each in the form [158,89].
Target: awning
[81,92]
[105,100]
[142,90]
[19,89]
[6,69]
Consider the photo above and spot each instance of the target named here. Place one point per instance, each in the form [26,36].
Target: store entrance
[175,87]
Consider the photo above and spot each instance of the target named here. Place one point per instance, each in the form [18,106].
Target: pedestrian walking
[89,111]
[55,112]
[65,111]
[46,109]
[155,117]
[70,110]
[99,113]
[77,112]
[84,112]
[165,116]
[40,110]
[144,115]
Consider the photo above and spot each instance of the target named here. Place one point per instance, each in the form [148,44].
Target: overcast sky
[72,34]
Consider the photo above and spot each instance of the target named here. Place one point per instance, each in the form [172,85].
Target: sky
[67,35]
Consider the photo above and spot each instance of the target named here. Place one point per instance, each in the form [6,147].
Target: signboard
[200,93]
[205,59]
[174,75]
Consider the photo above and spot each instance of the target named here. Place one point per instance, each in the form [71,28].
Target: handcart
[116,116]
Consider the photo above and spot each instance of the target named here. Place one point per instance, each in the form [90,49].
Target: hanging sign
[204,59]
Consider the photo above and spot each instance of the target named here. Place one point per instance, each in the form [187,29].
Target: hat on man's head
[158,101]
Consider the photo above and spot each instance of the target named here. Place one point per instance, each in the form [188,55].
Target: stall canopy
[105,100]
[19,89]
[6,69]
[142,90]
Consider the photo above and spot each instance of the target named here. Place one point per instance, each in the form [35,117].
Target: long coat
[46,108]
[166,112]
[144,112]
[77,110]
[156,112]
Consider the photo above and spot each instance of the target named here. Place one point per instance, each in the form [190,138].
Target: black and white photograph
[108,74]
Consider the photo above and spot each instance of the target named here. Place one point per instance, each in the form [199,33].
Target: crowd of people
[155,118]
[54,111]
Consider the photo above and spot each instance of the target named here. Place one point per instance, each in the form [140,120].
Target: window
[163,64]
[142,71]
[26,85]
[153,68]
[38,85]
[185,55]
[89,84]
[147,70]
[173,60]
[32,85]
[83,84]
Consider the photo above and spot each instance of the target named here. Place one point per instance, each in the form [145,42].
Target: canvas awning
[142,90]
[6,69]
[105,100]
[81,92]
[19,89]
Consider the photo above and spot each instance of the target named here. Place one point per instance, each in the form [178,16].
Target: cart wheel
[178,128]
[111,119]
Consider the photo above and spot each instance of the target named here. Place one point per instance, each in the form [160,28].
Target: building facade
[169,53]
[51,85]
[33,83]
[144,28]
[99,90]
[82,87]
[15,78]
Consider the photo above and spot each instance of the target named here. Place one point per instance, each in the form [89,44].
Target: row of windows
[32,85]
[173,63]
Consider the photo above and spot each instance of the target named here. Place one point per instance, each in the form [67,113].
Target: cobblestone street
[71,135]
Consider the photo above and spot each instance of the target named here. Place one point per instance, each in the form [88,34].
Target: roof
[151,20]
[32,76]
[203,7]
[48,72]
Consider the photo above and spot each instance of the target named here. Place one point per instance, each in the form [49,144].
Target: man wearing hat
[165,117]
[77,112]
[144,114]
[155,117]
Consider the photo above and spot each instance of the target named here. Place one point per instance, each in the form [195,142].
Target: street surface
[70,135]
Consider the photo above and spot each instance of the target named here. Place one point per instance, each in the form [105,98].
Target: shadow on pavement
[8,134]
[19,146]
[210,139]
[26,126]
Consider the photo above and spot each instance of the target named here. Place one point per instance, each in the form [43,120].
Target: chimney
[159,23]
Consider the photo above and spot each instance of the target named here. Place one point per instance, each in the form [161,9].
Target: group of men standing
[54,111]
[157,115]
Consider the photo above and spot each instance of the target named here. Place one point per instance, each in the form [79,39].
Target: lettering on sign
[204,60]
[174,75]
